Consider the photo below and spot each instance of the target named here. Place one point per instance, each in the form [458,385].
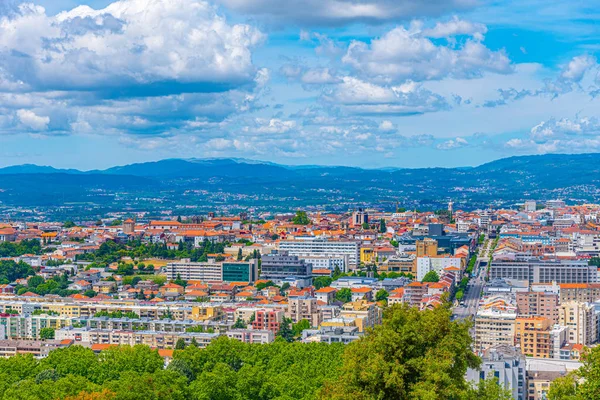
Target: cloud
[338,12]
[131,47]
[456,27]
[452,144]
[357,96]
[402,54]
[33,121]
[564,135]
[577,67]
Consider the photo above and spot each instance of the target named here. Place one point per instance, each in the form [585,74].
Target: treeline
[413,355]
[10,249]
[11,271]
[110,251]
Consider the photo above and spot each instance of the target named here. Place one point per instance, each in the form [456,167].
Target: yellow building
[533,336]
[206,313]
[364,313]
[367,255]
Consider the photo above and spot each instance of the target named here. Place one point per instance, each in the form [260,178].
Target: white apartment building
[195,271]
[321,247]
[437,264]
[494,327]
[327,262]
[582,320]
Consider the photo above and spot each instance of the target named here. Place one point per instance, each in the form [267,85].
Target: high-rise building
[494,327]
[582,320]
[533,336]
[538,304]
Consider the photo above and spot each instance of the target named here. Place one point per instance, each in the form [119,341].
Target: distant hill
[224,183]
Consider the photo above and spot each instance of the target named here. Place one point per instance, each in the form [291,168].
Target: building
[582,320]
[246,271]
[436,263]
[280,265]
[544,271]
[268,320]
[539,304]
[530,206]
[427,247]
[494,327]
[533,336]
[39,349]
[251,335]
[309,246]
[580,292]
[360,217]
[365,314]
[304,307]
[506,364]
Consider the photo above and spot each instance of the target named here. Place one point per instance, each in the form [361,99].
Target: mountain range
[230,183]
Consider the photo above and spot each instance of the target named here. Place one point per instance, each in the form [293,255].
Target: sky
[372,83]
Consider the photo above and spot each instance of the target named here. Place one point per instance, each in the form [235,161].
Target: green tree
[322,281]
[301,218]
[262,285]
[344,295]
[459,295]
[180,344]
[382,227]
[431,276]
[90,293]
[239,324]
[285,331]
[413,355]
[366,226]
[69,224]
[382,295]
[583,384]
[46,333]
[239,255]
[300,326]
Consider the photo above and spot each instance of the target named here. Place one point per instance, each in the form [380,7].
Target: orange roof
[327,289]
[361,290]
[165,353]
[101,346]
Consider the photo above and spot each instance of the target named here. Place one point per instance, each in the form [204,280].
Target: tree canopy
[413,355]
[431,276]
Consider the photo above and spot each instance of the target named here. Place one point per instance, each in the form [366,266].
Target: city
[526,279]
[299,200]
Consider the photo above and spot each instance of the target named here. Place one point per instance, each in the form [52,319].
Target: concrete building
[304,307]
[213,271]
[494,327]
[310,246]
[427,247]
[582,320]
[544,271]
[251,335]
[280,265]
[538,304]
[365,314]
[506,364]
[533,336]
[437,264]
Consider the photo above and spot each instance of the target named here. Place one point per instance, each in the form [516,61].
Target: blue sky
[372,83]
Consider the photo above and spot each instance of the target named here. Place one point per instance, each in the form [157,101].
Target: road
[473,293]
